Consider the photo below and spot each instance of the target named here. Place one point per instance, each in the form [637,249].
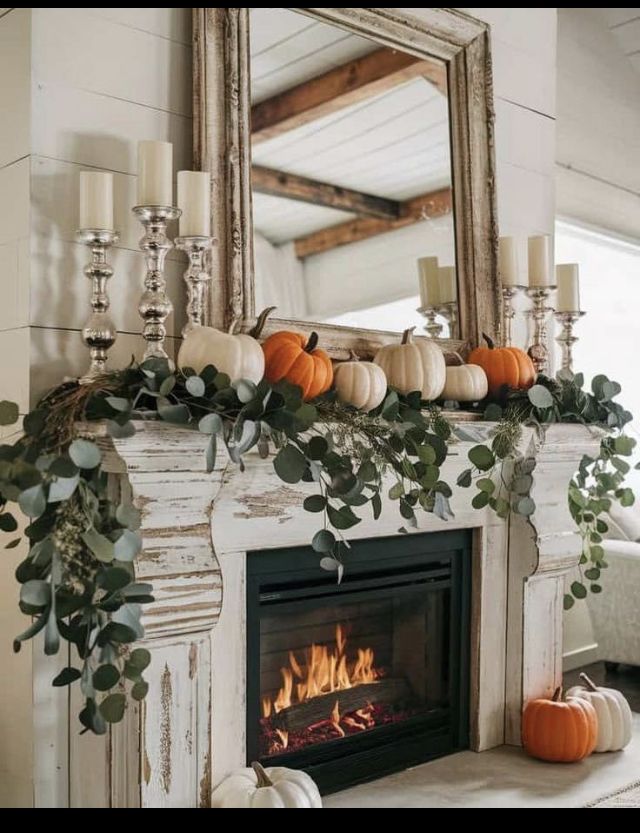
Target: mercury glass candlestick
[99,333]
[538,350]
[432,328]
[196,277]
[566,338]
[155,306]
[449,312]
[508,312]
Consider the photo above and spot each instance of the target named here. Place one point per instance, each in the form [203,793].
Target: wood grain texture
[344,86]
[222,145]
[424,207]
[303,189]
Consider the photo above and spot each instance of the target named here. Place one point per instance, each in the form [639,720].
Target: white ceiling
[625,26]
[395,145]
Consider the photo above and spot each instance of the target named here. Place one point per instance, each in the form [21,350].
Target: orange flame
[326,670]
[335,719]
[284,737]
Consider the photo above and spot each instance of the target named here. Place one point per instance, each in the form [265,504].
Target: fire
[283,735]
[326,670]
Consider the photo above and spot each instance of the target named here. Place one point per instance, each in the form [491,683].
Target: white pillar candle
[194,200]
[429,287]
[96,200]
[540,261]
[568,281]
[447,284]
[155,173]
[508,262]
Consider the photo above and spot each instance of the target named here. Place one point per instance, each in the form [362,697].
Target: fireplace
[355,680]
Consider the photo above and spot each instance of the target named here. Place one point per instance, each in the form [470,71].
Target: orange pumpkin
[504,366]
[290,356]
[559,730]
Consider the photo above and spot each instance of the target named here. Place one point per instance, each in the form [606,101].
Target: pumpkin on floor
[413,365]
[559,730]
[293,357]
[239,356]
[361,384]
[273,788]
[613,711]
[504,366]
[464,382]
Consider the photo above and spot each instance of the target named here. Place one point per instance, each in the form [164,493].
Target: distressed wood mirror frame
[222,145]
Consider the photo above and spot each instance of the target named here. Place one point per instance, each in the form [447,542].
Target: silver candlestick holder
[99,333]
[449,312]
[508,312]
[432,327]
[196,277]
[566,338]
[155,306]
[539,350]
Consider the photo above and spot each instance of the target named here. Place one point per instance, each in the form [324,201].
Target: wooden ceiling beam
[341,87]
[302,189]
[426,206]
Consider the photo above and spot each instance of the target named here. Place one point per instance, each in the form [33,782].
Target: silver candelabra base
[99,333]
[196,277]
[155,306]
[432,327]
[449,312]
[508,313]
[539,350]
[566,338]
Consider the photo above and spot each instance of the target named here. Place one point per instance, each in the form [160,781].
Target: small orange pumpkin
[292,357]
[504,366]
[559,730]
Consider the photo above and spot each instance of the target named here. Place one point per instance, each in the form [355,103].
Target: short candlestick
[196,277]
[539,350]
[432,327]
[566,338]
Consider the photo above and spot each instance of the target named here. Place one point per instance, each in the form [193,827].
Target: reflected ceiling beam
[426,206]
[341,87]
[302,189]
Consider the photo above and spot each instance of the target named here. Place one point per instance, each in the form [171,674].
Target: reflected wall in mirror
[351,177]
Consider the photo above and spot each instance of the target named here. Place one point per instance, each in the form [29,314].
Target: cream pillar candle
[447,285]
[429,287]
[96,200]
[155,173]
[540,261]
[194,200]
[508,262]
[568,282]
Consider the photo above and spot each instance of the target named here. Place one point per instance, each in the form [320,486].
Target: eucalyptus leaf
[127,545]
[464,479]
[480,500]
[211,453]
[63,467]
[118,403]
[62,488]
[315,503]
[329,564]
[245,390]
[105,677]
[169,384]
[290,464]
[540,397]
[112,708]
[33,501]
[99,545]
[579,590]
[376,505]
[525,506]
[139,690]
[9,412]
[486,485]
[113,578]
[176,414]
[36,593]
[317,448]
[66,677]
[127,515]
[120,432]
[85,454]
[210,424]
[7,522]
[140,658]
[323,541]
[482,457]
[568,601]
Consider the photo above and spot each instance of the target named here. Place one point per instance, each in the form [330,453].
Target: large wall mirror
[355,150]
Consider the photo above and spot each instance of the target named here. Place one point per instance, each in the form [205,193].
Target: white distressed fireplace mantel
[197,528]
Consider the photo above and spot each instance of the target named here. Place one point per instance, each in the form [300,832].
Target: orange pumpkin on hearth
[559,730]
[292,357]
[508,366]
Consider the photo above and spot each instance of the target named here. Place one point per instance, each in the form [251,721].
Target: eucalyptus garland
[78,580]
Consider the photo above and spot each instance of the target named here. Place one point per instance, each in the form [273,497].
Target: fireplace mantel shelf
[197,528]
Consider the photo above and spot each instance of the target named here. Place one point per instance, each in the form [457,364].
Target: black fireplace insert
[355,680]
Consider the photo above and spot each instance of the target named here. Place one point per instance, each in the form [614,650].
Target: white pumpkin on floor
[273,788]
[613,711]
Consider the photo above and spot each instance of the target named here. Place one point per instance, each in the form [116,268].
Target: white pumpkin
[465,383]
[613,711]
[276,787]
[361,384]
[239,356]
[413,365]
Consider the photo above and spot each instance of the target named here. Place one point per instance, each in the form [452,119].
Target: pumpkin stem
[263,779]
[258,327]
[451,354]
[490,342]
[407,336]
[557,694]
[353,356]
[586,679]
[312,343]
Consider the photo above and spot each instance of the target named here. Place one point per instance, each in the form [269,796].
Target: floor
[507,777]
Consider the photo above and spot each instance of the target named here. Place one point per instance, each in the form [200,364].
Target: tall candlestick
[155,173]
[539,351]
[96,200]
[568,282]
[194,200]
[508,262]
[447,285]
[429,281]
[540,261]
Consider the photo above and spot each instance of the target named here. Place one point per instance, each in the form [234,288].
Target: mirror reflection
[352,200]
